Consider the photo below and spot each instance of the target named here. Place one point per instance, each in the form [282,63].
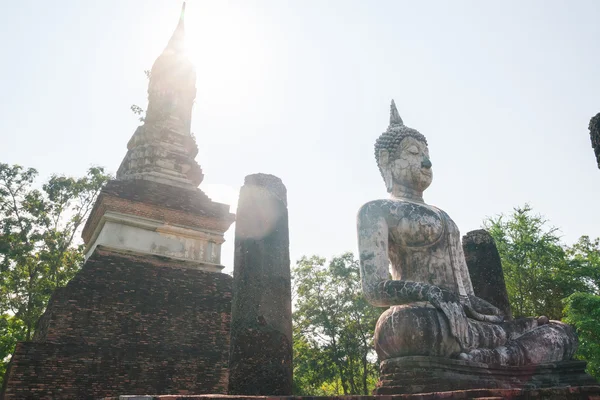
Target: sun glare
[224,42]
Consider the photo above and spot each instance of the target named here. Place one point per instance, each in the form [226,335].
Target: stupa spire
[395,118]
[177,41]
[163,149]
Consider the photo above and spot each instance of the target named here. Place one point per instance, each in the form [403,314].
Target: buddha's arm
[378,289]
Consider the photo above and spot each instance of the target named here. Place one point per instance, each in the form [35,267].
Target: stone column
[260,360]
[485,268]
[594,127]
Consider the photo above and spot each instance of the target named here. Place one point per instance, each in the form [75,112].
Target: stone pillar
[260,360]
[594,127]
[485,268]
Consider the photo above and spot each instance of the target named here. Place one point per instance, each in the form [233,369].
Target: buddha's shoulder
[395,208]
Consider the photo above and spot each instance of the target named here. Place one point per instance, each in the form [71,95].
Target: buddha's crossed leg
[547,343]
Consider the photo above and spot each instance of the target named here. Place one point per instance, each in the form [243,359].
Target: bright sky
[300,89]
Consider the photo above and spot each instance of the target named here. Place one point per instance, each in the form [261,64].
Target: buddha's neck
[406,193]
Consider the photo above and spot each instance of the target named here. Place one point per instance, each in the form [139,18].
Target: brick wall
[130,324]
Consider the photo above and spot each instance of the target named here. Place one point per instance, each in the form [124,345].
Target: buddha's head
[402,156]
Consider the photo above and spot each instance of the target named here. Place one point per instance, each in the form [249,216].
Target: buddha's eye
[413,150]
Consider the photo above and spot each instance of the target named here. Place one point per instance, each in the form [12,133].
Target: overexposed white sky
[301,88]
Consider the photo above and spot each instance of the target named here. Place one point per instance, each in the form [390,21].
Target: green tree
[537,270]
[11,332]
[333,329]
[38,247]
[542,275]
[584,257]
[582,310]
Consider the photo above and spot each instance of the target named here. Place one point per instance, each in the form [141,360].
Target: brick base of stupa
[128,324]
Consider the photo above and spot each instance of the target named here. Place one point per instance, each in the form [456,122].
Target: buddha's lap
[419,329]
[416,329]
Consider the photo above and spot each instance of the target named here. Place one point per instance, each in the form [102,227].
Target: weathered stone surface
[128,324]
[425,374]
[433,308]
[485,269]
[595,136]
[154,206]
[153,218]
[261,329]
[163,149]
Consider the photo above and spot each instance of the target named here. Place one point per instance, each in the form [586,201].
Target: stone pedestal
[567,393]
[407,375]
[261,326]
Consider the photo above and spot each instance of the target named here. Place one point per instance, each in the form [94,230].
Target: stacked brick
[128,324]
[157,201]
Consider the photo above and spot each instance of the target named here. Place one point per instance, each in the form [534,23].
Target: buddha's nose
[426,163]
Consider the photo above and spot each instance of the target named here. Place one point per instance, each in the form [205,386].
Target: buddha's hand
[480,310]
[482,306]
[438,296]
[449,303]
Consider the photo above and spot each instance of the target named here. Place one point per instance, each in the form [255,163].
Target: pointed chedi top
[395,118]
[163,149]
[177,41]
[174,55]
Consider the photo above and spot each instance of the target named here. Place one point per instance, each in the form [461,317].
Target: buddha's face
[409,166]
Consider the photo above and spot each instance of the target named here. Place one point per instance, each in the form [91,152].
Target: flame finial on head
[395,118]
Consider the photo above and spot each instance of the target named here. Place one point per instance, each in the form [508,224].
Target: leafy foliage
[542,275]
[583,311]
[12,331]
[584,257]
[537,271]
[333,329]
[37,243]
[137,110]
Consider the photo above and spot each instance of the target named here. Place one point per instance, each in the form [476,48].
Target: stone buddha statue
[432,308]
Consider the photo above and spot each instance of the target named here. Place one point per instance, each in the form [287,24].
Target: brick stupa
[150,310]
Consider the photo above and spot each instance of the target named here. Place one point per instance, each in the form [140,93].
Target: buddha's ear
[386,170]
[384,157]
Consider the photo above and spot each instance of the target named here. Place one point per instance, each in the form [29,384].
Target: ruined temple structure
[260,361]
[437,334]
[150,310]
[150,313]
[595,136]
[485,269]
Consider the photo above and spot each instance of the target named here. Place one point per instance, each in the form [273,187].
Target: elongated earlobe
[386,170]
